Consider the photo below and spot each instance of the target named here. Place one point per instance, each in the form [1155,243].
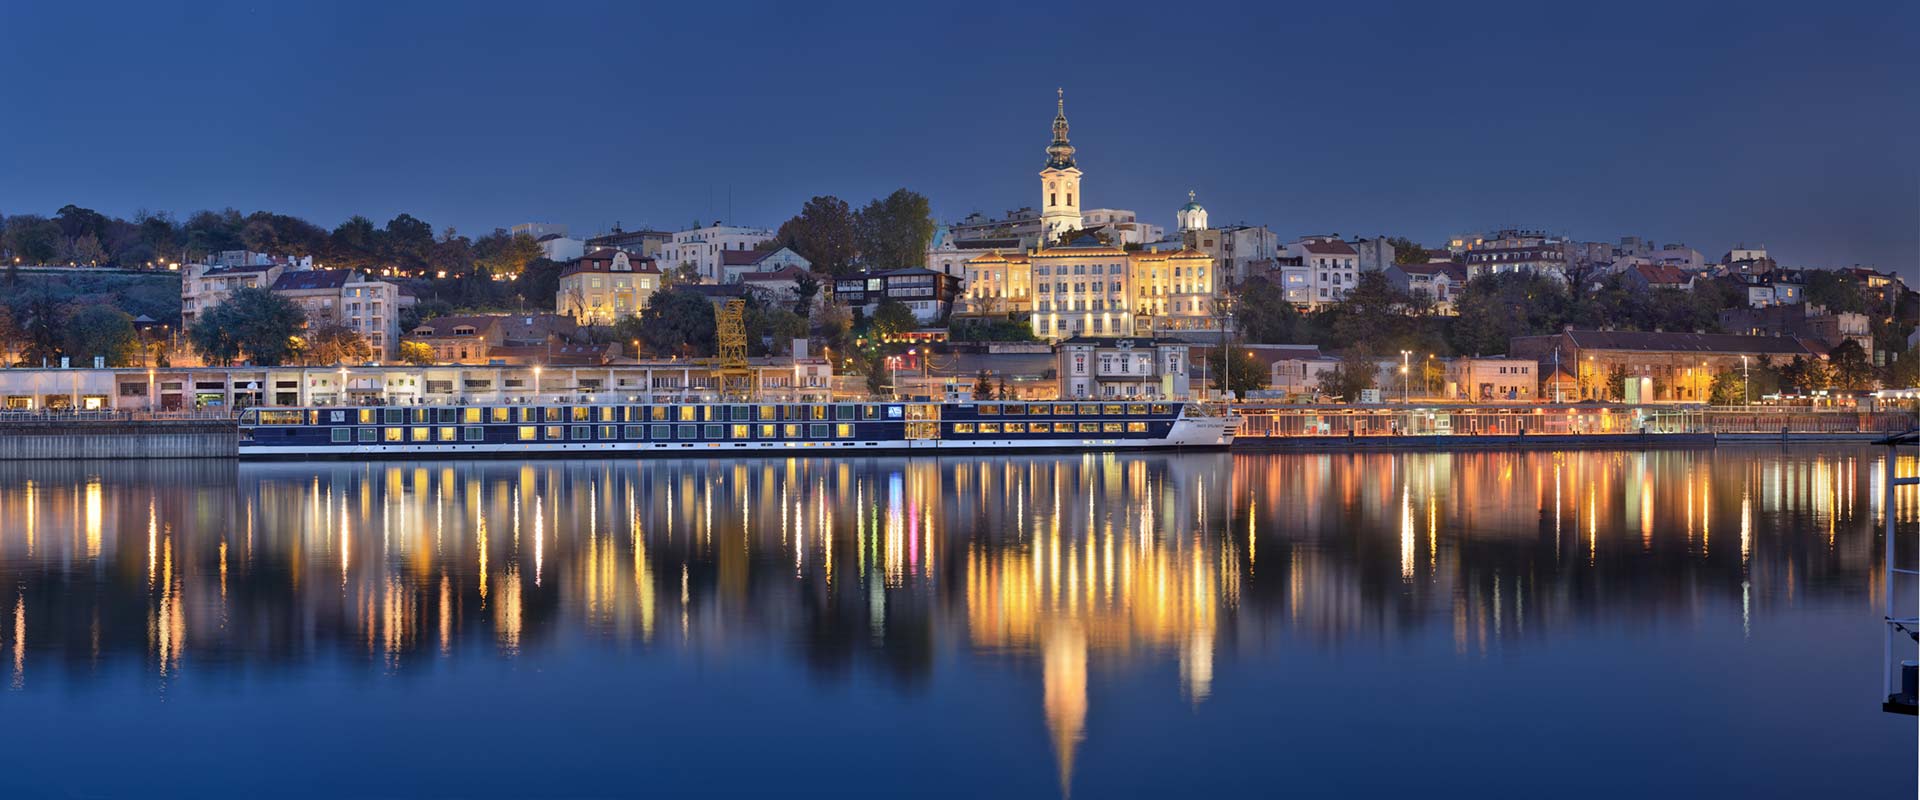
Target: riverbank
[55,438]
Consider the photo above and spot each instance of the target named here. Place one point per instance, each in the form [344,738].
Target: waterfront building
[701,248]
[1493,379]
[348,298]
[175,389]
[1299,372]
[1098,367]
[929,294]
[1086,287]
[999,284]
[606,286]
[736,263]
[1659,367]
[207,285]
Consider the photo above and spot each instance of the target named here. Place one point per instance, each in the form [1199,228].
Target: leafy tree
[334,343]
[834,323]
[12,337]
[76,222]
[805,289]
[354,245]
[34,240]
[1013,327]
[1005,393]
[502,254]
[210,232]
[84,249]
[1235,370]
[1904,373]
[417,353]
[1617,382]
[1729,389]
[1852,368]
[983,386]
[408,243]
[892,318]
[1264,314]
[539,282]
[103,331]
[1407,251]
[1348,379]
[1838,291]
[894,232]
[771,329]
[676,321]
[824,233]
[1495,308]
[256,322]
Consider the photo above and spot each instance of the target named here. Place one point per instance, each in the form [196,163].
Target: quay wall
[55,439]
[1590,441]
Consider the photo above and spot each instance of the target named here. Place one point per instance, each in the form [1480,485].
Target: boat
[585,427]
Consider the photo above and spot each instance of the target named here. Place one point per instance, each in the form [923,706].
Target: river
[1588,624]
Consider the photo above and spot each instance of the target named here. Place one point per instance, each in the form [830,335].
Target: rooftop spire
[1060,153]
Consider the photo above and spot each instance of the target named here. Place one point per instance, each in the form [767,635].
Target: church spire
[1060,153]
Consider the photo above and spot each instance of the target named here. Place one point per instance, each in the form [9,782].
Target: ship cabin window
[498,414]
[422,415]
[342,435]
[843,411]
[769,431]
[990,409]
[581,413]
[1014,410]
[1089,427]
[551,414]
[392,434]
[1016,427]
[1063,410]
[366,416]
[817,431]
[662,433]
[790,431]
[556,432]
[474,434]
[716,431]
[870,412]
[963,427]
[1136,409]
[393,416]
[529,415]
[634,432]
[447,433]
[368,434]
[740,431]
[527,433]
[445,416]
[609,432]
[843,430]
[659,414]
[280,417]
[688,431]
[1161,408]
[471,416]
[1136,427]
[1113,410]
[1040,427]
[1112,427]
[816,412]
[689,414]
[740,414]
[989,427]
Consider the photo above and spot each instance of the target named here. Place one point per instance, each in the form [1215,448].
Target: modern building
[735,263]
[1656,367]
[605,286]
[1093,367]
[929,294]
[701,248]
[555,247]
[1488,380]
[348,298]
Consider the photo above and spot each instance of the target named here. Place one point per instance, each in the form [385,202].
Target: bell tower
[1060,181]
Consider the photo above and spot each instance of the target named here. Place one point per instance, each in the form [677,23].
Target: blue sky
[1783,124]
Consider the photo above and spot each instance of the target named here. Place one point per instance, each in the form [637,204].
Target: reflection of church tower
[1060,181]
[1064,681]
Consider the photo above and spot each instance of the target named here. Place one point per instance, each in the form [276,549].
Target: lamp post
[1426,377]
[1406,389]
[1746,384]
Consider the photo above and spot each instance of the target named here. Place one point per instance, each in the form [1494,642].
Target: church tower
[1192,216]
[1059,182]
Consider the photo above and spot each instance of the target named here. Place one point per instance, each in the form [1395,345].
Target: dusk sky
[1703,124]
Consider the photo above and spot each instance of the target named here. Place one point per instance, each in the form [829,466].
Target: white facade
[1493,379]
[1094,368]
[1192,216]
[561,248]
[701,248]
[1332,266]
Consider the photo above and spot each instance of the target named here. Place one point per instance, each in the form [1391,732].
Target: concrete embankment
[59,439]
[1601,441]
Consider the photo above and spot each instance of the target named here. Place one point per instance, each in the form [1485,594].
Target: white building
[701,248]
[1332,266]
[1192,216]
[207,285]
[735,263]
[949,253]
[1376,254]
[561,248]
[348,298]
[1234,248]
[1122,226]
[1093,368]
[1493,379]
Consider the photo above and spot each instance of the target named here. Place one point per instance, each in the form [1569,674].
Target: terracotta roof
[1332,248]
[602,261]
[1661,275]
[743,258]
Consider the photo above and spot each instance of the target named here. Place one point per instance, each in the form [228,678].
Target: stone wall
[115,439]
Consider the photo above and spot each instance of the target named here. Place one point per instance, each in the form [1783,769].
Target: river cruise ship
[588,428]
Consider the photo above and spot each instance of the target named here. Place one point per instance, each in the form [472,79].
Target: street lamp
[1746,384]
[1406,389]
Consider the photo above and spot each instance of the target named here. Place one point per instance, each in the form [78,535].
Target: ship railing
[1901,616]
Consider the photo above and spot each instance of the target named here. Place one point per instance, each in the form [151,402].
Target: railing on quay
[117,415]
[1520,419]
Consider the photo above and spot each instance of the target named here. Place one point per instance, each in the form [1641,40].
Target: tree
[408,243]
[354,244]
[1495,308]
[892,318]
[505,254]
[1238,371]
[1004,394]
[1617,383]
[1729,389]
[1407,251]
[824,233]
[1852,368]
[1264,314]
[256,322]
[894,232]
[834,324]
[1838,291]
[676,321]
[101,331]
[34,240]
[805,289]
[771,328]
[334,343]
[1904,373]
[417,353]
[983,386]
[12,338]
[1347,379]
[539,283]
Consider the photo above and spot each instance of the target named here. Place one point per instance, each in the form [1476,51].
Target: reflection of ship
[609,428]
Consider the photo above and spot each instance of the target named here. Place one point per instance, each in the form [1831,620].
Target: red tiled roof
[1661,275]
[1332,248]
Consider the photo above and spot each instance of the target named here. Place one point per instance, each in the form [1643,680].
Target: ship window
[659,414]
[551,414]
[1112,427]
[790,431]
[556,432]
[445,415]
[963,427]
[1113,410]
[1063,410]
[498,414]
[843,412]
[529,415]
[817,431]
[392,434]
[990,410]
[1089,427]
[1040,427]
[869,412]
[609,413]
[609,432]
[448,433]
[634,431]
[741,414]
[471,416]
[366,416]
[422,415]
[1136,409]
[475,434]
[989,427]
[1016,427]
[1161,408]
[716,431]
[740,432]
[394,416]
[818,412]
[1136,427]
[1014,410]
[843,430]
[582,431]
[662,432]
[769,413]
[689,414]
[368,434]
[581,413]
[342,435]
[527,433]
[688,431]
[769,431]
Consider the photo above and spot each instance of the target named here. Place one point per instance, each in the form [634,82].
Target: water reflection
[1060,564]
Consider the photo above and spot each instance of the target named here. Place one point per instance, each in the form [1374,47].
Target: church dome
[1192,216]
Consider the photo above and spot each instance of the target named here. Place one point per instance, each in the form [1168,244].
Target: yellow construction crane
[730,331]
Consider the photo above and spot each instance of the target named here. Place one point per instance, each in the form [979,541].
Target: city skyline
[1403,124]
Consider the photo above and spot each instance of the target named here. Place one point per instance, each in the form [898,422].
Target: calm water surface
[1496,625]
